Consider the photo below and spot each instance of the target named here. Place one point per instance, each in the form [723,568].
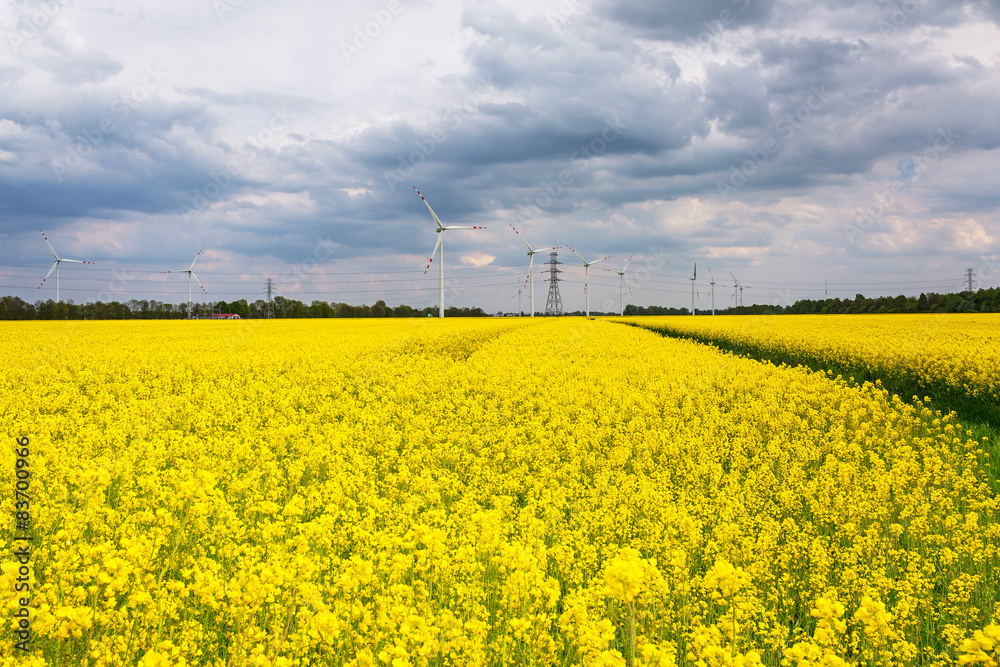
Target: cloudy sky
[804,147]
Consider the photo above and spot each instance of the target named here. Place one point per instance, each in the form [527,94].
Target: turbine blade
[578,255]
[526,279]
[629,261]
[50,245]
[433,214]
[196,257]
[627,283]
[462,227]
[601,259]
[436,247]
[54,265]
[198,281]
[530,251]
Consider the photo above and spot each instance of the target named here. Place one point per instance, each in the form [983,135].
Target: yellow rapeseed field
[481,492]
[950,352]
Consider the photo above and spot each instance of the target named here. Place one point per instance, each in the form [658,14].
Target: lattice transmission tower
[269,292]
[970,280]
[553,304]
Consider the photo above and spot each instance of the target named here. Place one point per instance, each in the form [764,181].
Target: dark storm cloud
[680,20]
[737,97]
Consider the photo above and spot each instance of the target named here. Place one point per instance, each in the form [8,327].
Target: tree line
[980,301]
[15,308]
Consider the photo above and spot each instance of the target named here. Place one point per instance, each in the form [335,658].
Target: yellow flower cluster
[982,648]
[953,352]
[481,492]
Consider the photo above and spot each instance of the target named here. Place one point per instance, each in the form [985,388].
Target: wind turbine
[518,295]
[55,266]
[531,263]
[692,279]
[190,272]
[736,289]
[586,281]
[739,288]
[441,229]
[622,281]
[713,284]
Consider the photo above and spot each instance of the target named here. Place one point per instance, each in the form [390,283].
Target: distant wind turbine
[586,281]
[518,295]
[738,290]
[190,272]
[622,281]
[55,265]
[692,279]
[531,263]
[713,284]
[439,246]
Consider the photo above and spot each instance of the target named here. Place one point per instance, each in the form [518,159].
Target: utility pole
[969,280]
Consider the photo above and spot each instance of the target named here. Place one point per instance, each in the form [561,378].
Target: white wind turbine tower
[190,272]
[518,295]
[55,266]
[441,229]
[531,263]
[713,284]
[586,281]
[738,289]
[622,281]
[692,278]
